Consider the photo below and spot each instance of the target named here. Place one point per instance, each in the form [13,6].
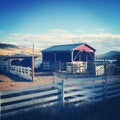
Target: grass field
[106,110]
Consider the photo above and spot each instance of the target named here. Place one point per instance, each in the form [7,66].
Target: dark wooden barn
[56,57]
[24,61]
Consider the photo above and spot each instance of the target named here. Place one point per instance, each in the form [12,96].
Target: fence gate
[74,90]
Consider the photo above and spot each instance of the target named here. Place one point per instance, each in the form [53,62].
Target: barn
[66,57]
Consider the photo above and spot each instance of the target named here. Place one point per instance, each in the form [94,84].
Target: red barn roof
[70,47]
[84,48]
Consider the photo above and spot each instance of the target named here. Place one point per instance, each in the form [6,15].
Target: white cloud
[58,31]
[101,42]
[101,36]
[100,30]
[80,31]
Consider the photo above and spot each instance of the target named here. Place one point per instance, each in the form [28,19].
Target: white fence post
[54,77]
[28,71]
[17,69]
[62,92]
[21,70]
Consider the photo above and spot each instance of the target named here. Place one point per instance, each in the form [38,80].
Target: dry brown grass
[20,50]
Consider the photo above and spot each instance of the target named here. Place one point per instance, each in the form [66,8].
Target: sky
[45,23]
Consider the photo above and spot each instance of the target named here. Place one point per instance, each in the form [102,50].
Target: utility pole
[33,64]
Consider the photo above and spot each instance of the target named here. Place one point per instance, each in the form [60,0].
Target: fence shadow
[44,74]
[15,78]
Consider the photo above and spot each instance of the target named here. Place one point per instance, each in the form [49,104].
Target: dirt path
[4,78]
[6,83]
[10,82]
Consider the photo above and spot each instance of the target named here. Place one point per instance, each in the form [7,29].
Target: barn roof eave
[66,48]
[87,46]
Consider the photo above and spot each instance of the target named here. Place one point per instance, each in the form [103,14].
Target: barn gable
[85,47]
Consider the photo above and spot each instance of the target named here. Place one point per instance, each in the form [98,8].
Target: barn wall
[91,56]
[49,56]
[63,56]
[60,56]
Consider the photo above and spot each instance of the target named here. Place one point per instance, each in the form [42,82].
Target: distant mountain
[4,46]
[109,55]
[15,50]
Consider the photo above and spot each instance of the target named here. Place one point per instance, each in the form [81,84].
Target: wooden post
[86,56]
[59,66]
[0,106]
[105,77]
[62,92]
[9,65]
[17,69]
[93,90]
[105,68]
[80,56]
[71,56]
[55,57]
[55,67]
[33,64]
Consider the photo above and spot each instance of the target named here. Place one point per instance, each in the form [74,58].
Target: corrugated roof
[19,57]
[67,47]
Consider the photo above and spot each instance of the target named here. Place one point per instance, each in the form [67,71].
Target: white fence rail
[74,91]
[21,71]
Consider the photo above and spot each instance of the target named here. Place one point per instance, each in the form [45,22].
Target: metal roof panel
[66,47]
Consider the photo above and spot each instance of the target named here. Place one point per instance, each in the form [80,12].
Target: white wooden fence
[72,91]
[21,71]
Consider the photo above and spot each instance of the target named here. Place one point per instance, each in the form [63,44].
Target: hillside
[4,46]
[15,50]
[109,55]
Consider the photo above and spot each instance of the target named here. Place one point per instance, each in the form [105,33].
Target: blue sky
[51,22]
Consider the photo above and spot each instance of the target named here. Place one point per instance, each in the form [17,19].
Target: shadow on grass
[15,78]
[106,110]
